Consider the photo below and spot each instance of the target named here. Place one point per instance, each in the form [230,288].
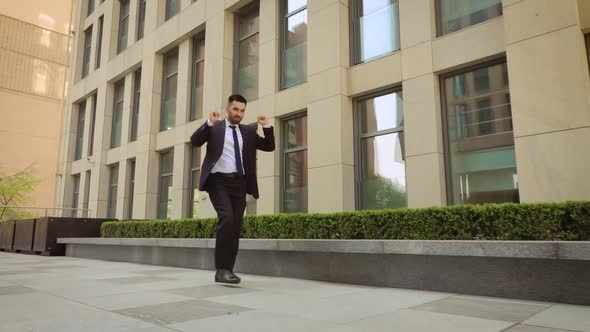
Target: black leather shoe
[226,277]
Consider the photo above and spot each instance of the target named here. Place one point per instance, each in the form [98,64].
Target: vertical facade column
[424,152]
[329,112]
[550,96]
[102,142]
[182,115]
[218,60]
[268,163]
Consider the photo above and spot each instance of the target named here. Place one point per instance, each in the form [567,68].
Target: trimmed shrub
[568,221]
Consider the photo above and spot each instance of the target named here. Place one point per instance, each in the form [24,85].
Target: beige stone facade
[541,42]
[34,59]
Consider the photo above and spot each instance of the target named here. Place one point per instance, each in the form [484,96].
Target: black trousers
[228,195]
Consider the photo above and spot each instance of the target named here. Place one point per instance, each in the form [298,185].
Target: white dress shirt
[227,161]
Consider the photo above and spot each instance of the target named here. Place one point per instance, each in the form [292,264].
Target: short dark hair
[238,98]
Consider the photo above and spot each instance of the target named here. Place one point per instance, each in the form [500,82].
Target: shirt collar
[227,124]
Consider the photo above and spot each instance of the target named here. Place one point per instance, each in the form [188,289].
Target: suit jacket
[215,137]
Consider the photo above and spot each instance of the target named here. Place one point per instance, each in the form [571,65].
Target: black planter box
[7,235]
[24,231]
[49,229]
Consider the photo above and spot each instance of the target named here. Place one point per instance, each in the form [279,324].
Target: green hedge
[547,221]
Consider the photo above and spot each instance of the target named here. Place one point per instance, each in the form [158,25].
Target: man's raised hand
[214,117]
[262,120]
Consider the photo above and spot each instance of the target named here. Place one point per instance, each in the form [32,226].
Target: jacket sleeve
[201,135]
[268,142]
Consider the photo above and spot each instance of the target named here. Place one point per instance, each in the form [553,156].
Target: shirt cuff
[209,123]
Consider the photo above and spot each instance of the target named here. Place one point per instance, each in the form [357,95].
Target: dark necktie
[237,151]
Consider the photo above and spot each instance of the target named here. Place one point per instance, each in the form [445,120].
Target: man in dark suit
[228,173]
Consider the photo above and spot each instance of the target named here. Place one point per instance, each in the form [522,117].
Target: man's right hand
[214,117]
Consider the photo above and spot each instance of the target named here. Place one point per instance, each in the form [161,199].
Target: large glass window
[136,103]
[92,125]
[99,41]
[294,43]
[195,169]
[170,87]
[198,77]
[381,171]
[454,15]
[130,188]
[86,195]
[172,8]
[123,26]
[117,114]
[87,49]
[246,82]
[294,179]
[75,195]
[141,19]
[481,163]
[80,130]
[165,190]
[90,7]
[375,27]
[113,187]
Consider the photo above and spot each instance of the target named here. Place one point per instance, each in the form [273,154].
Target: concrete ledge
[509,249]
[536,270]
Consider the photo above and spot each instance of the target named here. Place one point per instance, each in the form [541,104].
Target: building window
[375,28]
[165,190]
[195,167]
[80,130]
[294,43]
[123,26]
[246,76]
[198,77]
[90,7]
[169,88]
[75,195]
[480,158]
[294,161]
[99,41]
[136,103]
[92,124]
[454,15]
[86,195]
[117,114]
[381,170]
[130,188]
[141,19]
[87,49]
[172,8]
[113,187]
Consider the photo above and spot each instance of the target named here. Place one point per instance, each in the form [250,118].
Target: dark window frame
[123,40]
[244,12]
[112,186]
[80,124]
[161,175]
[119,84]
[135,108]
[439,21]
[444,112]
[195,114]
[359,136]
[141,13]
[284,152]
[171,53]
[284,17]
